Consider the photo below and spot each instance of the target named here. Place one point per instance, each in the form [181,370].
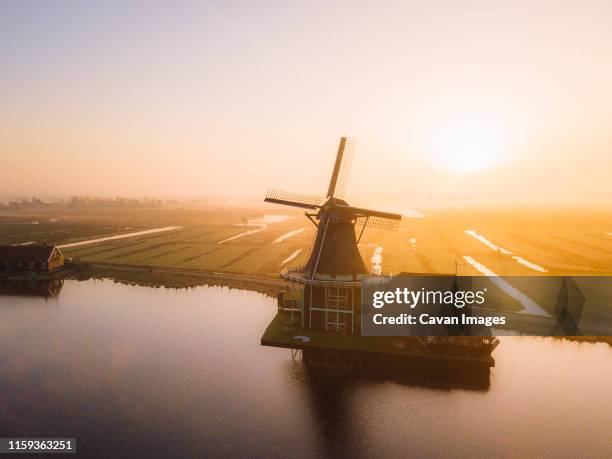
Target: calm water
[166,373]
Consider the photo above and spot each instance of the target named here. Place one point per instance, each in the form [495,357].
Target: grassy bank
[173,278]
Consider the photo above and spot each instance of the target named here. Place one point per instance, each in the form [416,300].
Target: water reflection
[44,288]
[332,379]
[321,364]
[134,371]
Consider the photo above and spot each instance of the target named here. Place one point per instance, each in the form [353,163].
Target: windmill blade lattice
[376,219]
[342,168]
[378,222]
[287,198]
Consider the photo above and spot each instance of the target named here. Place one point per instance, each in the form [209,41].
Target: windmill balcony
[297,274]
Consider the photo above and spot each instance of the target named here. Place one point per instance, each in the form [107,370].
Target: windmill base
[284,333]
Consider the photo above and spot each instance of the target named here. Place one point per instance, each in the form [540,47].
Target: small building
[33,258]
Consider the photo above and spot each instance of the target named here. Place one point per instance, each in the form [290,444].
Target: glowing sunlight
[468,142]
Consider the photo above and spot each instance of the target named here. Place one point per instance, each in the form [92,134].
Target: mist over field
[451,104]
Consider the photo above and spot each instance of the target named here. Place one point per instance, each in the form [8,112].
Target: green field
[559,242]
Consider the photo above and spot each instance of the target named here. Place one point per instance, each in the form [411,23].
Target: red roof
[26,253]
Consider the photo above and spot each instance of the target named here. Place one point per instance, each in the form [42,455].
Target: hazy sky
[181,99]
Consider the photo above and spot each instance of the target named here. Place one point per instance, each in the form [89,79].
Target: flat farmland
[261,240]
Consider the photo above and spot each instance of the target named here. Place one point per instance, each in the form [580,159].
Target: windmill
[335,251]
[330,281]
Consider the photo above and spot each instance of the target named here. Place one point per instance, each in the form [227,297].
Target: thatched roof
[335,250]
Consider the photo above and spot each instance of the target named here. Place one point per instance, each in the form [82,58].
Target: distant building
[35,258]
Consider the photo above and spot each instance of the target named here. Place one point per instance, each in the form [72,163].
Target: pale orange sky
[500,100]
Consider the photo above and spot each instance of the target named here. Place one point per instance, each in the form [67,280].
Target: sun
[467,142]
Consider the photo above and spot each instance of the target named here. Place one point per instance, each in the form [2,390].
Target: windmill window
[43,265]
[31,265]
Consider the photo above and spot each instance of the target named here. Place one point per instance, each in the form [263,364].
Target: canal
[131,370]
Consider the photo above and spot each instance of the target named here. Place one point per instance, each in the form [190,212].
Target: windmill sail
[342,168]
[287,198]
[376,218]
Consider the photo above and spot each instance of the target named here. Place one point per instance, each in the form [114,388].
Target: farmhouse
[37,258]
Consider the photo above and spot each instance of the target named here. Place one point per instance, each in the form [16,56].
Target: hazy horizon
[506,103]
